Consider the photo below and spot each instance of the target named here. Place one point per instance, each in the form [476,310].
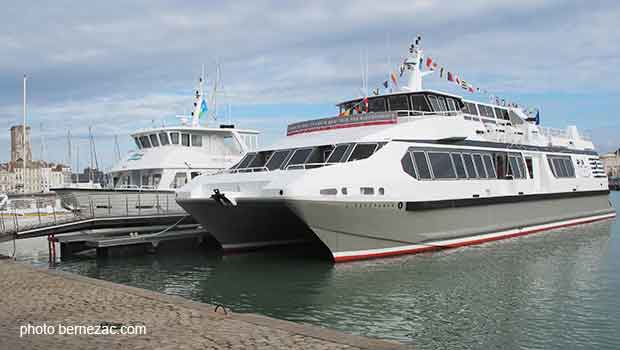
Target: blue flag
[203,108]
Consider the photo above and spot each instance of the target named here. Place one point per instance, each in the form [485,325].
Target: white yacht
[414,170]
[166,158]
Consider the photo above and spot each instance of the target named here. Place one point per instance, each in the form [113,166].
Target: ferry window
[174,137]
[488,165]
[163,138]
[260,160]
[514,167]
[300,156]
[479,166]
[499,113]
[569,167]
[484,112]
[469,165]
[276,160]
[559,165]
[442,165]
[137,142]
[245,161]
[419,103]
[500,165]
[154,140]
[459,166]
[318,156]
[407,164]
[362,151]
[398,103]
[377,104]
[197,140]
[522,168]
[156,179]
[434,104]
[194,174]
[337,154]
[470,108]
[504,114]
[442,103]
[145,142]
[530,167]
[451,104]
[422,165]
[185,139]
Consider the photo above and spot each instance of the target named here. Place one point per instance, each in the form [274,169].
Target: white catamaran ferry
[167,158]
[415,170]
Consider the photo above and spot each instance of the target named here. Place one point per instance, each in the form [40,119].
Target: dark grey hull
[249,224]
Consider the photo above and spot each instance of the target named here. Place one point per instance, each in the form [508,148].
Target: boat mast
[199,100]
[413,64]
[24,140]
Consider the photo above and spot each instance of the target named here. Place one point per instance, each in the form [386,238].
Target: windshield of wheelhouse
[306,157]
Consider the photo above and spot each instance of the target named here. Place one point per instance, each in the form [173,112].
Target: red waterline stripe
[343,126]
[461,244]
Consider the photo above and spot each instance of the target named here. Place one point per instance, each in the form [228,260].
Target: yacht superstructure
[410,171]
[168,157]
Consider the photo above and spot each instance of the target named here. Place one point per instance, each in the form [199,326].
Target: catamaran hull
[365,230]
[249,225]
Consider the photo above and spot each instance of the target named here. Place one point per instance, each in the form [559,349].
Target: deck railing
[88,206]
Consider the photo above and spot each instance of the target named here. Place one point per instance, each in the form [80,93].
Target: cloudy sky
[120,66]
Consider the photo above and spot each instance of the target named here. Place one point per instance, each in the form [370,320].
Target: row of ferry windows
[307,157]
[429,103]
[163,139]
[404,102]
[427,164]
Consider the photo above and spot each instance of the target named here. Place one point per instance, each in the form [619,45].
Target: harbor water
[558,289]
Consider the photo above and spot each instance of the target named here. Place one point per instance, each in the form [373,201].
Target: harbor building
[37,175]
[611,163]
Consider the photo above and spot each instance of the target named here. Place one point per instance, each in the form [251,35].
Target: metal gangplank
[91,212]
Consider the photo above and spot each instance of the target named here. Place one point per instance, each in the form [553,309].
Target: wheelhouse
[416,102]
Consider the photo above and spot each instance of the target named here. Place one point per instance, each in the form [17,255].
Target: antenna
[117,149]
[69,158]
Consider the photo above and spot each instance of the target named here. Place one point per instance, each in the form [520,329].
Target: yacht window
[570,170]
[407,164]
[377,104]
[422,165]
[398,103]
[469,165]
[145,142]
[499,113]
[154,140]
[156,180]
[442,165]
[174,137]
[260,160]
[442,103]
[451,104]
[483,110]
[318,156]
[276,160]
[300,156]
[434,104]
[362,151]
[194,174]
[479,166]
[185,139]
[163,138]
[338,153]
[137,142]
[419,103]
[530,167]
[488,165]
[459,166]
[180,179]
[514,167]
[246,160]
[196,140]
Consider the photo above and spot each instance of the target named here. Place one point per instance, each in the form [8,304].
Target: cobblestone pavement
[37,296]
